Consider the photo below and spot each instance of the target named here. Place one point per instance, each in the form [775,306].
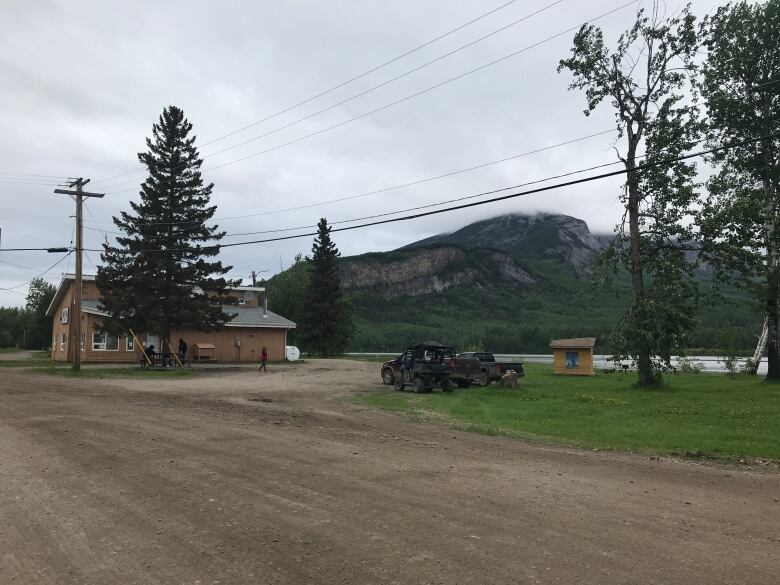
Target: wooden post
[79,195]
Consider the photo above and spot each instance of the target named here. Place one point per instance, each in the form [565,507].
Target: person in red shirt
[263,359]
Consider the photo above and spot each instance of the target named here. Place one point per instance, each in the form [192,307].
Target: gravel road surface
[238,478]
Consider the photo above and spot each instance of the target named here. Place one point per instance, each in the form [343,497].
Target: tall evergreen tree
[741,85]
[643,80]
[325,318]
[163,273]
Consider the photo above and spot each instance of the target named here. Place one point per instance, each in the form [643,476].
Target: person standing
[182,348]
[263,359]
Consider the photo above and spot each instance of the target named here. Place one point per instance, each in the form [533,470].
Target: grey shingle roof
[245,316]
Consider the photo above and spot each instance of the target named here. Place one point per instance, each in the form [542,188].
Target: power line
[57,177]
[400,100]
[388,82]
[41,275]
[428,205]
[13,181]
[399,186]
[600,176]
[343,83]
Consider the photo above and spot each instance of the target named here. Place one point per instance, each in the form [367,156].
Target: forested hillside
[508,284]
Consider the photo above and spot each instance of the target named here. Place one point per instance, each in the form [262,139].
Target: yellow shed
[573,357]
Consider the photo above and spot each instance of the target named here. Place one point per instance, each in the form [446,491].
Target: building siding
[585,361]
[252,339]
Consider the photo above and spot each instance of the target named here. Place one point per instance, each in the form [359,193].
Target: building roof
[574,343]
[245,316]
[62,288]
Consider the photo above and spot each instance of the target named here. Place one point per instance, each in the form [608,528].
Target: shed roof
[574,343]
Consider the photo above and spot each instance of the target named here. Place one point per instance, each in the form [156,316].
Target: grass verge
[693,415]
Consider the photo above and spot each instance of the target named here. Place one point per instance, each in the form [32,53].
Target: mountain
[508,284]
[530,238]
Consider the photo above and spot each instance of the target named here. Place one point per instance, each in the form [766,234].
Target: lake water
[708,363]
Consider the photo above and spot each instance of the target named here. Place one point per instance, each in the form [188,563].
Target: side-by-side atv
[424,366]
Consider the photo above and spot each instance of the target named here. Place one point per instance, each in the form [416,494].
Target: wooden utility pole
[79,195]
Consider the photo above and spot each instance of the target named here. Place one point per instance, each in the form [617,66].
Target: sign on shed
[573,357]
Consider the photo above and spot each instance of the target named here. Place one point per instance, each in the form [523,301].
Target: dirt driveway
[235,478]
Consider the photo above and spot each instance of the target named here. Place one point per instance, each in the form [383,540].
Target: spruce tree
[162,274]
[326,323]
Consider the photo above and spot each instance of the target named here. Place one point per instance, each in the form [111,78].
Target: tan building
[241,340]
[573,357]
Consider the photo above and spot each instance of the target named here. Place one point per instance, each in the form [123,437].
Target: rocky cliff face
[428,270]
[529,237]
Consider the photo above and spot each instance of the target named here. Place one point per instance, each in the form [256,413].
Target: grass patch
[704,415]
[25,363]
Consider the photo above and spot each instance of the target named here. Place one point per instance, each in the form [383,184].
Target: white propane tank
[291,353]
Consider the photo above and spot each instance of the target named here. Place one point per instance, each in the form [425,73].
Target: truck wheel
[484,379]
[398,384]
[419,385]
[387,376]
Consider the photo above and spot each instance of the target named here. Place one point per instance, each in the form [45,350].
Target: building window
[64,316]
[242,301]
[63,339]
[129,343]
[102,341]
[572,359]
[83,340]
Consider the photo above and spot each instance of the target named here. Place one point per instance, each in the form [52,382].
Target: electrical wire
[41,275]
[600,176]
[57,177]
[343,83]
[394,187]
[385,83]
[395,102]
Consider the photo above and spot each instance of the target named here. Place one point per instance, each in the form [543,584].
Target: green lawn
[694,415]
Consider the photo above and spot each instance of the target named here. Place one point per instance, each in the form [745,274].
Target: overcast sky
[83,82]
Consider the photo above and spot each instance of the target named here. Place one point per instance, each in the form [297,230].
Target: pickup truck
[481,367]
[422,366]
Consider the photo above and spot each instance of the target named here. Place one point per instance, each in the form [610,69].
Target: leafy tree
[325,318]
[39,297]
[643,80]
[741,86]
[162,274]
[286,290]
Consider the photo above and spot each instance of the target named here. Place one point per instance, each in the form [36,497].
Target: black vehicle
[424,366]
[488,370]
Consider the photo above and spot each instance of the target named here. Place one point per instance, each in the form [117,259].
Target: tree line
[28,327]
[673,86]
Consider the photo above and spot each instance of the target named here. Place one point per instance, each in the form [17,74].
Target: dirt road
[235,478]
